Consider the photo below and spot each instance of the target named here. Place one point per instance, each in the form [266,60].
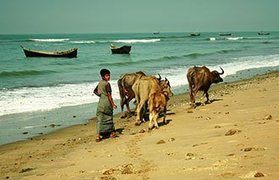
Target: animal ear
[165,93]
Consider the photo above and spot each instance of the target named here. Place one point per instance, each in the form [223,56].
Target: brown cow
[143,88]
[126,93]
[200,79]
[157,104]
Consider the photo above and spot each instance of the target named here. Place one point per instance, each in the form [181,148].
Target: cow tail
[121,89]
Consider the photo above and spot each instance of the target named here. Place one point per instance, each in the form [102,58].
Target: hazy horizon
[141,32]
[130,16]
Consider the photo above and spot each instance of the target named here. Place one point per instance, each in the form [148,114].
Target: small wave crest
[233,38]
[193,55]
[49,40]
[130,41]
[83,42]
[23,73]
[212,39]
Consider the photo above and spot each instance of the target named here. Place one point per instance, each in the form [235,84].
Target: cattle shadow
[213,100]
[197,104]
[119,130]
[166,122]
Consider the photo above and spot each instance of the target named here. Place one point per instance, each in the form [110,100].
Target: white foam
[212,39]
[50,40]
[83,42]
[136,41]
[30,99]
[234,38]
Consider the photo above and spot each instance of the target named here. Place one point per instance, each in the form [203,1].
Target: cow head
[216,76]
[165,87]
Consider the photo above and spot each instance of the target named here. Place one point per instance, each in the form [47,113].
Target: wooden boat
[263,33]
[194,34]
[225,34]
[120,50]
[71,53]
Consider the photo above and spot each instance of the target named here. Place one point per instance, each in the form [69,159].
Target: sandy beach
[236,136]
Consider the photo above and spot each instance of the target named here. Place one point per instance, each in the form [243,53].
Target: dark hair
[103,72]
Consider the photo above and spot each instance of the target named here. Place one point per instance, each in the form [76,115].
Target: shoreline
[194,139]
[45,122]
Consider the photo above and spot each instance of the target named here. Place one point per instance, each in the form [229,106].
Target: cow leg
[155,119]
[144,112]
[122,101]
[207,98]
[192,96]
[151,117]
[128,106]
[164,117]
[139,113]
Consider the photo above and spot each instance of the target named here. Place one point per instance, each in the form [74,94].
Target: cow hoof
[137,123]
[157,127]
[123,116]
[149,129]
[207,102]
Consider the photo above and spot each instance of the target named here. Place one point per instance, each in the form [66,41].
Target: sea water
[37,92]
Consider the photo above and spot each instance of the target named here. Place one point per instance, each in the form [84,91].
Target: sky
[132,16]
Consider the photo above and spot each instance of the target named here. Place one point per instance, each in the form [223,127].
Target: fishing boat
[263,33]
[225,34]
[120,50]
[156,32]
[71,53]
[194,34]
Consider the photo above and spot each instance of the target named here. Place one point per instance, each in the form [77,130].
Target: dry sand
[236,136]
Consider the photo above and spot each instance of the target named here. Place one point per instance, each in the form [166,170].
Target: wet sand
[236,136]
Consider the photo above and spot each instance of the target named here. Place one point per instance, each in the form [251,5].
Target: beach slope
[236,136]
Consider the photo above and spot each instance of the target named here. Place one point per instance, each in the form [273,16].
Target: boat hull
[72,53]
[225,34]
[121,50]
[194,34]
[263,33]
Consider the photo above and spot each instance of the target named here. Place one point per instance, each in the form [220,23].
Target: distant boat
[263,33]
[156,32]
[71,53]
[194,34]
[120,50]
[225,34]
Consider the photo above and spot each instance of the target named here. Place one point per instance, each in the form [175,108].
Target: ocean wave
[27,99]
[234,38]
[130,41]
[49,40]
[193,55]
[24,73]
[83,42]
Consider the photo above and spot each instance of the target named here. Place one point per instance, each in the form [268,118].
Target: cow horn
[222,71]
[166,79]
[159,77]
